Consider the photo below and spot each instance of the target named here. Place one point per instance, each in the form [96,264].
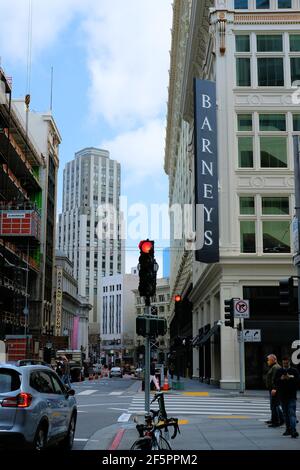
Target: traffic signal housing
[286,293]
[229,313]
[157,326]
[147,269]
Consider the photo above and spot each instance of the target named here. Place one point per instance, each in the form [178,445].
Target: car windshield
[116,369]
[9,380]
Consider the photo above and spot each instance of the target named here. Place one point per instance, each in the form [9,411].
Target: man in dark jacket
[277,418]
[286,382]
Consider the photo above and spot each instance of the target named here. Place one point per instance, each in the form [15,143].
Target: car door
[51,403]
[65,403]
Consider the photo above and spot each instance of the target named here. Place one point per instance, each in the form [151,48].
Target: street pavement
[210,418]
[100,403]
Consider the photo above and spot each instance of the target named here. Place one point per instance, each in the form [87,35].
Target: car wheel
[68,441]
[40,439]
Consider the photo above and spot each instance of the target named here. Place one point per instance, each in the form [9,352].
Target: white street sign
[241,309]
[252,336]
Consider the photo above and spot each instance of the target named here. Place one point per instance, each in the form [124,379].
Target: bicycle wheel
[144,443]
[163,444]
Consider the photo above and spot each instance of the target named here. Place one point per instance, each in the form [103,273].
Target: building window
[296,122]
[247,230]
[245,150]
[243,71]
[275,206]
[295,42]
[273,221]
[262,4]
[244,122]
[241,4]
[161,298]
[284,3]
[269,43]
[273,152]
[247,206]
[272,122]
[242,42]
[270,71]
[276,236]
[295,69]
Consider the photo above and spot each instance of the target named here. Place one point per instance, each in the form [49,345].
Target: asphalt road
[100,403]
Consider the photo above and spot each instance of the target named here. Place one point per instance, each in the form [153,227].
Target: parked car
[115,372]
[138,372]
[36,409]
[32,362]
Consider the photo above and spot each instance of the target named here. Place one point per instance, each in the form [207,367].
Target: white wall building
[91,180]
[251,49]
[118,318]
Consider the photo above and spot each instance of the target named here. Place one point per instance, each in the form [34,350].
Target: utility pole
[297,200]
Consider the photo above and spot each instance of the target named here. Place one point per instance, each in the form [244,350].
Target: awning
[201,339]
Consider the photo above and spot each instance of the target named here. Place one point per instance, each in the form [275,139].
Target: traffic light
[157,326]
[147,269]
[286,293]
[229,313]
[178,303]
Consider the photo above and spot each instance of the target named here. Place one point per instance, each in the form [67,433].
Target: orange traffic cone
[166,385]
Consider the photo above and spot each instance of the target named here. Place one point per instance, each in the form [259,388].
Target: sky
[110,62]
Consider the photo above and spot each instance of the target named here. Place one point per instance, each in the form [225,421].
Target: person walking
[277,418]
[286,382]
[153,377]
[66,372]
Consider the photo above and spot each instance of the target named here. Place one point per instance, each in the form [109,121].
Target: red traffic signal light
[177,298]
[146,246]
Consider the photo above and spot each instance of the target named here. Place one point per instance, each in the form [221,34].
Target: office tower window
[247,231]
[241,4]
[273,152]
[242,42]
[243,71]
[247,206]
[245,152]
[262,4]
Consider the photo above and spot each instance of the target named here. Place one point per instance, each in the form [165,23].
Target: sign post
[241,310]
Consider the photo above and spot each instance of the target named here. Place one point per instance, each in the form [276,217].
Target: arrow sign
[241,308]
[252,336]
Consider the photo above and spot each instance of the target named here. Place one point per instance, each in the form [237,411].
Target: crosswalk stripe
[87,392]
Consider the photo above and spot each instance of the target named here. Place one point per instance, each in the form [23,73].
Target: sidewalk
[194,385]
[202,432]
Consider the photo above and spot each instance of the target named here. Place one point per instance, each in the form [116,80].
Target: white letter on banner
[206,101]
[206,123]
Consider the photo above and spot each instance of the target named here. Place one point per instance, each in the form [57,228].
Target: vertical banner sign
[59,287]
[206,167]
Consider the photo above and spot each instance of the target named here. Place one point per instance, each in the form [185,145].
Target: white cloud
[128,46]
[139,151]
[49,18]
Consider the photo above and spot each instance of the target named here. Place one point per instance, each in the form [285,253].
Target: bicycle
[150,433]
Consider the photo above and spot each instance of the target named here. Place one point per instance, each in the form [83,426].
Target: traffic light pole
[147,359]
[297,201]
[242,355]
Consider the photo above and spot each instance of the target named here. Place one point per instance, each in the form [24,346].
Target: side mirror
[71,392]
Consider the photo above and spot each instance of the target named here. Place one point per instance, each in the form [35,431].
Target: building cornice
[181,18]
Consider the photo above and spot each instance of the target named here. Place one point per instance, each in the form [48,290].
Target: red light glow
[145,246]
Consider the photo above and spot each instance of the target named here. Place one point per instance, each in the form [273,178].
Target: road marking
[124,417]
[229,417]
[196,394]
[116,442]
[87,392]
[115,393]
[183,421]
[80,440]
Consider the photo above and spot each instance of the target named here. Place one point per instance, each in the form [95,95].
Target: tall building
[91,181]
[29,144]
[250,49]
[118,319]
[71,312]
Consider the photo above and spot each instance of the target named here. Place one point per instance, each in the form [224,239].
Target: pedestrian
[277,418]
[66,372]
[171,370]
[153,377]
[286,382]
